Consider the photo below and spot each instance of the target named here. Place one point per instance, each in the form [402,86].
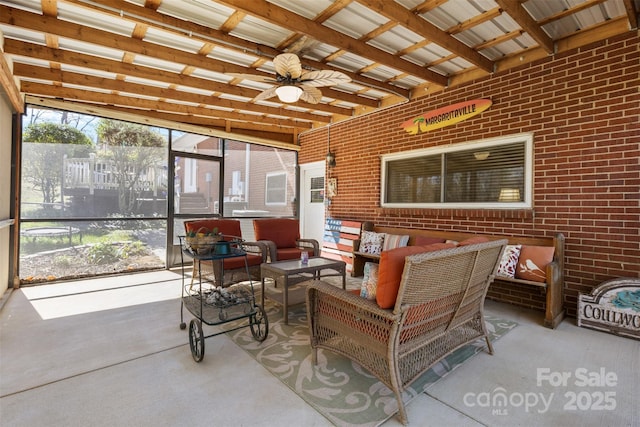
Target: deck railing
[98,174]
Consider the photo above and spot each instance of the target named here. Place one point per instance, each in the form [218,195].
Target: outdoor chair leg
[402,412]
[489,345]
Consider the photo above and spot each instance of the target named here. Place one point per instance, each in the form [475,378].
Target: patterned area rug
[339,389]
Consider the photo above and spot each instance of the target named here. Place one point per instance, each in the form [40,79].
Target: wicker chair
[282,237]
[234,268]
[439,308]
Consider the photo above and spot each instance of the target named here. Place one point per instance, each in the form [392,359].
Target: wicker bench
[551,288]
[438,308]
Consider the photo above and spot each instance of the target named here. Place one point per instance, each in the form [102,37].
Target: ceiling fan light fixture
[288,93]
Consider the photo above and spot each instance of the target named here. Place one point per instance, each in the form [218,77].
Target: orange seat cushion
[238,262]
[391,268]
[282,231]
[289,253]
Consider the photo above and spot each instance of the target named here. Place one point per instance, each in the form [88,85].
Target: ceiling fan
[292,83]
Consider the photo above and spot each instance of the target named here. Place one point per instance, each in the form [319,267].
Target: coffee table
[292,272]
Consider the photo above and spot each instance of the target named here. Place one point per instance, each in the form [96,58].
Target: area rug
[342,391]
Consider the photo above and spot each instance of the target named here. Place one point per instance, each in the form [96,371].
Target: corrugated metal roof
[390,52]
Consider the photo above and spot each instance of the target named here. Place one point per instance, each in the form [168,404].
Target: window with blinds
[495,173]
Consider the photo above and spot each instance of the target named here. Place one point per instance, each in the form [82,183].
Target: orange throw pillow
[532,263]
[391,268]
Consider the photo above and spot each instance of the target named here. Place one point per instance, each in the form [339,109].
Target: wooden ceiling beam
[196,31]
[291,21]
[476,20]
[222,124]
[88,61]
[522,17]
[421,26]
[78,79]
[8,83]
[569,11]
[103,98]
[154,118]
[632,13]
[57,27]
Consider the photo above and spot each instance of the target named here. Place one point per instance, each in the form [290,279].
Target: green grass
[29,245]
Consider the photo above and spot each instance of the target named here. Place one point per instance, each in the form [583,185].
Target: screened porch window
[495,173]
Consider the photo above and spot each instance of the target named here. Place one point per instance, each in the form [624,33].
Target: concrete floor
[108,352]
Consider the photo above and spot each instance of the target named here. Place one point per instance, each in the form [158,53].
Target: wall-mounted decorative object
[445,116]
[332,188]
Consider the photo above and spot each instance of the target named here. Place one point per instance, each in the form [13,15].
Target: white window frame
[527,202]
[266,189]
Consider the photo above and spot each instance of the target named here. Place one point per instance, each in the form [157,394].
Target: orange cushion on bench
[532,263]
[391,267]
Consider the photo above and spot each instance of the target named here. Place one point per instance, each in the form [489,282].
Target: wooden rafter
[101,98]
[207,34]
[293,22]
[632,13]
[397,13]
[9,85]
[78,79]
[89,61]
[191,90]
[522,17]
[134,46]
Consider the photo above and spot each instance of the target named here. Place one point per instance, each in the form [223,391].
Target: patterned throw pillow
[371,242]
[507,267]
[392,241]
[532,263]
[369,281]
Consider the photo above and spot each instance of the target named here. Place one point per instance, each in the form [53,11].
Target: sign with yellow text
[446,116]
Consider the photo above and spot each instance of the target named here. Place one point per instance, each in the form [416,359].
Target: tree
[135,150]
[42,165]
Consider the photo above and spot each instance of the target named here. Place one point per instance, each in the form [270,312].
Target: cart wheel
[259,324]
[183,326]
[196,340]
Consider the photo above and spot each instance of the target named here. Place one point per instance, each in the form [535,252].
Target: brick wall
[583,107]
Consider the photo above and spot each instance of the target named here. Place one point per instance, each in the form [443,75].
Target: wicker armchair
[439,308]
[282,237]
[234,268]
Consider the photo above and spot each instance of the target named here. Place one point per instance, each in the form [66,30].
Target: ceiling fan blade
[288,64]
[310,94]
[269,93]
[324,78]
[254,77]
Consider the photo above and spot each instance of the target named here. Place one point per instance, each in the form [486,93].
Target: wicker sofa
[438,308]
[547,292]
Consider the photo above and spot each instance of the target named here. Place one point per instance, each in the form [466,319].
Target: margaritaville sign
[445,116]
[613,307]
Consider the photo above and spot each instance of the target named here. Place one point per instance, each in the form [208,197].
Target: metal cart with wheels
[213,303]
